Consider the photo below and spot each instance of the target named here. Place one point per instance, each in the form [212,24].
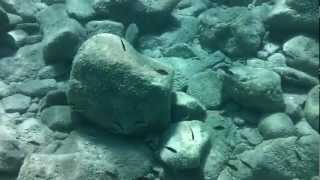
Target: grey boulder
[36,88]
[104,26]
[119,89]
[255,88]
[207,87]
[184,144]
[303,54]
[81,10]
[62,35]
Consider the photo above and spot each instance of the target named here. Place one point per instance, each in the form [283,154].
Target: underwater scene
[159,90]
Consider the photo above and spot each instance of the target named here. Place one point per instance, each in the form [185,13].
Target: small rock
[16,103]
[276,125]
[81,10]
[311,108]
[54,71]
[180,50]
[294,104]
[184,144]
[207,87]
[186,107]
[37,88]
[105,26]
[57,118]
[55,97]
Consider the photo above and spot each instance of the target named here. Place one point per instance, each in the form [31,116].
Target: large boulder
[233,30]
[303,54]
[184,144]
[119,89]
[294,15]
[104,26]
[62,35]
[311,109]
[255,88]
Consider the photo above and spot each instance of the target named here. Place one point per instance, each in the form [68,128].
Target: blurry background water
[159,89]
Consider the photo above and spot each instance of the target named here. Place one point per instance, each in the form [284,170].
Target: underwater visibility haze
[159,90]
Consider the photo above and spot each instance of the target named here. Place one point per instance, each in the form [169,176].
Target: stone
[54,71]
[107,72]
[37,88]
[276,126]
[105,26]
[62,35]
[55,97]
[180,50]
[152,14]
[233,30]
[130,157]
[132,33]
[114,9]
[26,9]
[24,65]
[207,87]
[255,88]
[303,54]
[33,135]
[184,144]
[295,78]
[294,104]
[81,10]
[11,156]
[186,107]
[4,89]
[57,118]
[311,108]
[294,16]
[191,8]
[303,128]
[282,158]
[16,103]
[65,166]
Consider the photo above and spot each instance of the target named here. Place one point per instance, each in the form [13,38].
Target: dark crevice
[162,72]
[171,149]
[298,155]
[123,46]
[219,128]
[246,164]
[192,134]
[233,167]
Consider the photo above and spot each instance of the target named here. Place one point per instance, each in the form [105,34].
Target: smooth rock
[16,103]
[81,10]
[276,126]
